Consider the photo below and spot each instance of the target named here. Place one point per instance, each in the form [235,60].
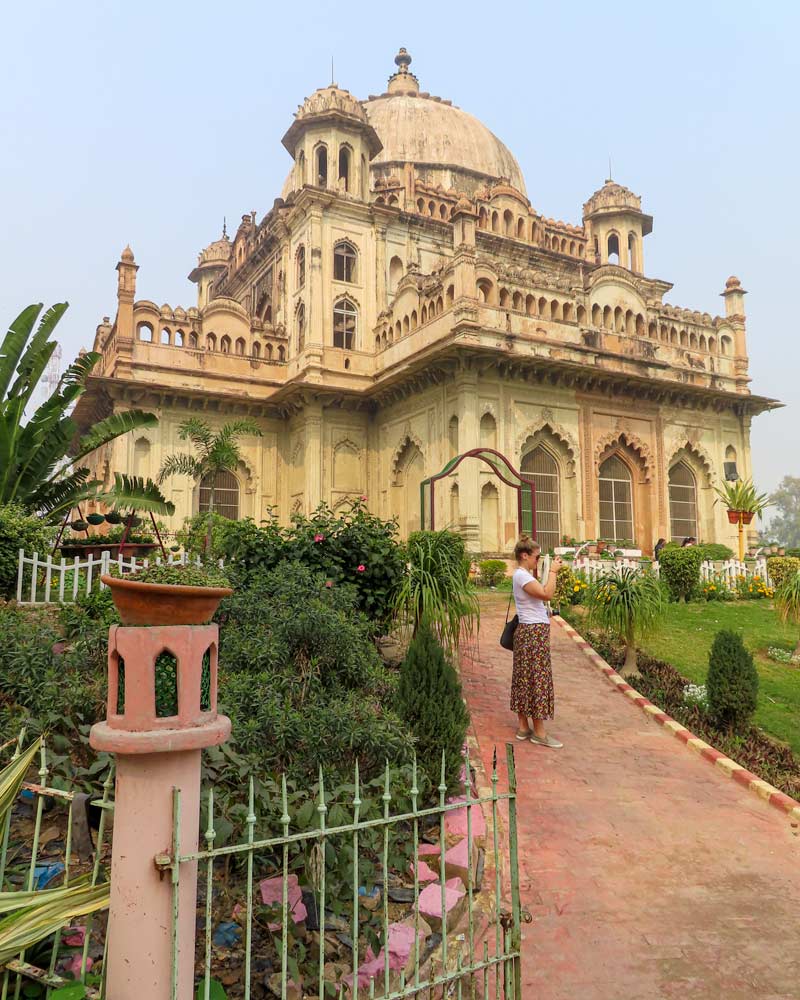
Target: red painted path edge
[785,803]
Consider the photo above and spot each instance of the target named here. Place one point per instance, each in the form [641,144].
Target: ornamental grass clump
[430,701]
[787,601]
[732,682]
[436,589]
[628,604]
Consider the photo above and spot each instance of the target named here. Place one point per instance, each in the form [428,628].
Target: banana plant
[40,456]
[28,917]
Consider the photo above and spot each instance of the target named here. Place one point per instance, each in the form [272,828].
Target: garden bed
[138,550]
[664,685]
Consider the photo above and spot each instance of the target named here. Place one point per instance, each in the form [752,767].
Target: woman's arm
[546,591]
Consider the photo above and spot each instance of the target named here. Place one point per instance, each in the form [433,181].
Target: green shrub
[571,586]
[435,588]
[192,535]
[492,571]
[780,568]
[732,682]
[20,530]
[353,547]
[178,575]
[302,680]
[715,552]
[680,569]
[429,699]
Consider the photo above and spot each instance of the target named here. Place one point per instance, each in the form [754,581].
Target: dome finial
[402,60]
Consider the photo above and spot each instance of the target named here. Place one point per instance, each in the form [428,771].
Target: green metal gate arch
[505,472]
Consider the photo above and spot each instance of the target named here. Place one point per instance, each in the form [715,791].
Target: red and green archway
[505,472]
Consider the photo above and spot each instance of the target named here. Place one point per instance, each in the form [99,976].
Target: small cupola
[616,225]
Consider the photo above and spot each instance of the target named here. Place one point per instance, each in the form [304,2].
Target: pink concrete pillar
[155,755]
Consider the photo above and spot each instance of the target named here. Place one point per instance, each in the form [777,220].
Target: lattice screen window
[540,466]
[682,502]
[616,500]
[226,494]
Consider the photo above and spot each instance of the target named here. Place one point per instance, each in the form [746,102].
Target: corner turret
[616,226]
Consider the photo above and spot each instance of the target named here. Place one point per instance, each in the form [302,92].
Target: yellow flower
[576,588]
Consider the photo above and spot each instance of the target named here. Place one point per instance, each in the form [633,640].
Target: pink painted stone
[457,861]
[455,822]
[424,872]
[400,947]
[430,901]
[272,895]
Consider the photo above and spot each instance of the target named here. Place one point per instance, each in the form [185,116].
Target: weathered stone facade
[403,301]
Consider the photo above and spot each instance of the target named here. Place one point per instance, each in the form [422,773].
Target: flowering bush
[716,589]
[697,695]
[571,586]
[752,588]
[783,656]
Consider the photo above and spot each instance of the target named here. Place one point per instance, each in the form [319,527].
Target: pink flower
[363,497]
[329,583]
[319,538]
[361,567]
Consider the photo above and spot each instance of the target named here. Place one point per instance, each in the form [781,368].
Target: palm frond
[25,927]
[12,776]
[136,493]
[236,428]
[179,464]
[14,343]
[113,427]
[197,431]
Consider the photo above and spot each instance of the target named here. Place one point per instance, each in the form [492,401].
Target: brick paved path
[647,872]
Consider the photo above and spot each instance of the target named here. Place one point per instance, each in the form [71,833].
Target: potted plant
[168,595]
[742,501]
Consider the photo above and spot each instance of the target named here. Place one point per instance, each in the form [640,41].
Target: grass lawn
[686,637]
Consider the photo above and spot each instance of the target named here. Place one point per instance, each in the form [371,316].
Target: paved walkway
[648,873]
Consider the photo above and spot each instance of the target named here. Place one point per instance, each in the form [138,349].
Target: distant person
[532,694]
[691,540]
[658,547]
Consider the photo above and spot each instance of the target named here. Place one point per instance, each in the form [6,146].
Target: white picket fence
[730,570]
[45,580]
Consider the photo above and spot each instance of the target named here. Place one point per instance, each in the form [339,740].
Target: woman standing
[532,676]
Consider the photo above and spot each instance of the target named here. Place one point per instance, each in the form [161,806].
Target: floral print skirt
[532,675]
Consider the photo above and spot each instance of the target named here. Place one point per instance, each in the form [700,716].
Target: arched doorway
[540,466]
[490,518]
[616,500]
[225,488]
[408,476]
[683,521]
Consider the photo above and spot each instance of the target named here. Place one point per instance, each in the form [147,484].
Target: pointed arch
[557,438]
[616,440]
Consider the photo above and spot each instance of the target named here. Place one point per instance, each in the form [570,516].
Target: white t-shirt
[531,610]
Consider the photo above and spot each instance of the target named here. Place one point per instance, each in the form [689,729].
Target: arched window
[508,223]
[597,315]
[240,345]
[540,466]
[613,249]
[321,165]
[450,295]
[256,350]
[301,168]
[211,342]
[225,498]
[193,340]
[144,332]
[616,500]
[345,316]
[301,266]
[281,352]
[179,338]
[225,344]
[269,352]
[452,436]
[166,336]
[395,273]
[633,257]
[725,345]
[488,431]
[301,327]
[141,457]
[682,502]
[485,290]
[344,167]
[344,261]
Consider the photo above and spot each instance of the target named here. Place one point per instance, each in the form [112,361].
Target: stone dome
[447,145]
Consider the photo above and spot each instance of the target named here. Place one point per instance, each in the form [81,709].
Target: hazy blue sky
[147,123]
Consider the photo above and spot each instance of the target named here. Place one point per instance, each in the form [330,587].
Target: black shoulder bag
[507,638]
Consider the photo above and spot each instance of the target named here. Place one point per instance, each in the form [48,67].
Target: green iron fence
[479,957]
[18,871]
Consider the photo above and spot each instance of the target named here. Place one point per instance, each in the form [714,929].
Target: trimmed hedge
[680,570]
[780,568]
[732,682]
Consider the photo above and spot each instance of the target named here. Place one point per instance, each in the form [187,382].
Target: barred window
[226,494]
[345,315]
[682,502]
[345,257]
[540,466]
[616,500]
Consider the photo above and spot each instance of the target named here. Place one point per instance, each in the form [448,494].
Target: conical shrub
[732,682]
[431,703]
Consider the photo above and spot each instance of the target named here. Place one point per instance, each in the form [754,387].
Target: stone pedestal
[155,754]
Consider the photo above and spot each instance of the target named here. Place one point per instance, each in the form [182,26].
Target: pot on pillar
[156,755]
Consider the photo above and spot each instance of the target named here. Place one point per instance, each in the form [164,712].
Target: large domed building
[402,303]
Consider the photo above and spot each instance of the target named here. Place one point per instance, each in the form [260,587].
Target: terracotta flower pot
[162,603]
[747,516]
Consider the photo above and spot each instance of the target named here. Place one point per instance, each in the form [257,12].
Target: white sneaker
[547,741]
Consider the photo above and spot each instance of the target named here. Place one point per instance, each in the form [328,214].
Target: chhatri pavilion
[402,302]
